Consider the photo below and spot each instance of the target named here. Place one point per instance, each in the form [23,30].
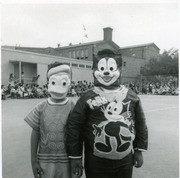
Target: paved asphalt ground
[161,160]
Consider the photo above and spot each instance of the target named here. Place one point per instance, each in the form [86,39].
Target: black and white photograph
[89,89]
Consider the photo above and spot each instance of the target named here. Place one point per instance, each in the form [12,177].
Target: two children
[48,121]
[108,119]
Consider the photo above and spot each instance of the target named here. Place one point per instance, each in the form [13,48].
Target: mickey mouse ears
[107,53]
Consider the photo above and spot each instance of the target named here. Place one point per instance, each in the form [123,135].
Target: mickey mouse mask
[106,68]
[59,81]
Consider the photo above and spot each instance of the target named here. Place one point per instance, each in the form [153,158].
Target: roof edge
[141,45]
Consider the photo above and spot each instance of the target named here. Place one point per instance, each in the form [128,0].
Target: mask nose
[106,73]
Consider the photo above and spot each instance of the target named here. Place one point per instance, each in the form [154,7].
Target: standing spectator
[22,78]
[11,79]
[9,89]
[35,79]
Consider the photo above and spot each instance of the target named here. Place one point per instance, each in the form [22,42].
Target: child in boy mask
[48,121]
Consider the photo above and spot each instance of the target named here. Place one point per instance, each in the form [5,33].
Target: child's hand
[76,167]
[37,170]
[138,159]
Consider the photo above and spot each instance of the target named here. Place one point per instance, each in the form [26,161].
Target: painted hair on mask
[107,53]
[56,64]
[107,68]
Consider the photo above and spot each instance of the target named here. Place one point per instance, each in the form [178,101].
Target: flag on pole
[84,28]
[85,35]
[85,32]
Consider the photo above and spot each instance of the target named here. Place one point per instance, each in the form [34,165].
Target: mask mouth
[57,95]
[107,78]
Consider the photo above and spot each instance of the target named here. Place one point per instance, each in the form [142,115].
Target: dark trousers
[105,168]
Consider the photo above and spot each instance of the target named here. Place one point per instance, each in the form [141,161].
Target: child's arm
[141,139]
[75,125]
[37,170]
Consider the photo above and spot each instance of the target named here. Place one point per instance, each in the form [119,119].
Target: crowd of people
[154,88]
[24,91]
[21,90]
[79,88]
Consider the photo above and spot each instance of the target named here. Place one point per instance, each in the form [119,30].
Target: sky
[49,24]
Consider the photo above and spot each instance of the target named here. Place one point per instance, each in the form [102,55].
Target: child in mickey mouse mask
[48,120]
[109,119]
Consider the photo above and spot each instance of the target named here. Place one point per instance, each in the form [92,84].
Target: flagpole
[84,33]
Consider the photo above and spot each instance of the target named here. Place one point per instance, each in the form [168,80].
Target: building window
[74,55]
[70,54]
[124,63]
[82,54]
[86,53]
[77,54]
[88,66]
[81,65]
[74,65]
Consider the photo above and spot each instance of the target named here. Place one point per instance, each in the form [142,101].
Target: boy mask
[59,81]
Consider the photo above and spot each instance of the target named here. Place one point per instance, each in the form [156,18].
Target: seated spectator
[144,90]
[39,92]
[73,92]
[29,91]
[176,92]
[34,91]
[21,90]
[45,91]
[26,93]
[17,91]
[13,92]
[3,92]
[153,90]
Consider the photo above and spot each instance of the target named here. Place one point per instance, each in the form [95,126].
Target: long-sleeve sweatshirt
[111,123]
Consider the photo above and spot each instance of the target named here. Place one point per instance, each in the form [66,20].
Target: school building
[33,64]
[34,61]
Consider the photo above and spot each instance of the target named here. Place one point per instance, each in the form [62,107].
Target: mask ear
[118,59]
[95,61]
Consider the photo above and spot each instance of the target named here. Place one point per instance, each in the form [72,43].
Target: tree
[167,64]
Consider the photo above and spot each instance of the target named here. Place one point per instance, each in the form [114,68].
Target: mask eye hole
[112,65]
[64,83]
[102,68]
[115,109]
[53,83]
[102,64]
